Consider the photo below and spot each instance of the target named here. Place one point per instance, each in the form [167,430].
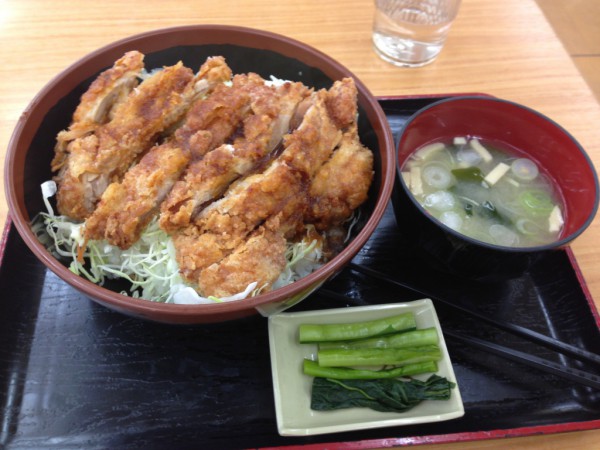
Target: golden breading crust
[157,104]
[216,233]
[128,206]
[260,259]
[225,224]
[216,117]
[342,103]
[97,104]
[237,169]
[341,184]
[97,160]
[207,178]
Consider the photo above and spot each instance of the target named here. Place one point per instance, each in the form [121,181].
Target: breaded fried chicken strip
[342,103]
[103,157]
[341,184]
[126,207]
[272,110]
[97,104]
[210,123]
[213,120]
[259,259]
[259,196]
[223,226]
[311,144]
[158,103]
[213,72]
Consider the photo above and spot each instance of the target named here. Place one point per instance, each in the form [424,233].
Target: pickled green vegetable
[415,338]
[313,368]
[388,395]
[357,330]
[377,356]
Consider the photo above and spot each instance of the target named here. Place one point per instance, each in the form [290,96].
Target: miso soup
[485,192]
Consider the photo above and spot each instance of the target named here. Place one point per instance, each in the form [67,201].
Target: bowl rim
[170,311]
[564,241]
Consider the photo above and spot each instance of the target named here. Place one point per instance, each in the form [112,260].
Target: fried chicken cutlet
[98,103]
[214,119]
[223,226]
[239,170]
[127,207]
[272,110]
[341,185]
[214,235]
[96,160]
[260,259]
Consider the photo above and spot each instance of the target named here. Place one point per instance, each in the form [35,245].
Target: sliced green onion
[502,235]
[527,226]
[452,220]
[537,202]
[524,169]
[468,156]
[437,176]
[440,201]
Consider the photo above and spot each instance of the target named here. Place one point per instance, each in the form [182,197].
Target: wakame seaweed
[386,395]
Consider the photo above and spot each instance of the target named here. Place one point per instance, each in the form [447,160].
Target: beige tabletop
[504,48]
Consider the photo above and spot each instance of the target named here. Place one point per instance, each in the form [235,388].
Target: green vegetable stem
[313,368]
[378,356]
[414,338]
[361,330]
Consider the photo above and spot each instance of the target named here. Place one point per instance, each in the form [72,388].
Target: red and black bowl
[246,50]
[509,125]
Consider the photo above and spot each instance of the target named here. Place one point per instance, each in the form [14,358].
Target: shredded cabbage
[302,257]
[149,264]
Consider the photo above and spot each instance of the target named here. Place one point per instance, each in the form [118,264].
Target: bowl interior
[524,131]
[245,50]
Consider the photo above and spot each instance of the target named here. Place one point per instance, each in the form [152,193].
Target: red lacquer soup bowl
[525,132]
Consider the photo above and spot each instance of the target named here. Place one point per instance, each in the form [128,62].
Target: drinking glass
[411,33]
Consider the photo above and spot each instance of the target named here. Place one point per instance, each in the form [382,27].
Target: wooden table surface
[504,48]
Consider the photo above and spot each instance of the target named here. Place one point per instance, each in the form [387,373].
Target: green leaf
[471,174]
[386,395]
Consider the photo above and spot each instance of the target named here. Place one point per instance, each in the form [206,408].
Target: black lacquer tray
[76,375]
